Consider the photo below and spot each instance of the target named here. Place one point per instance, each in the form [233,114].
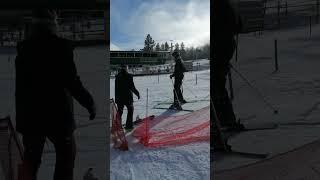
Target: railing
[271,15]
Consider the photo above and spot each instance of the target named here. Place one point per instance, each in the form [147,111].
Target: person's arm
[174,71]
[133,87]
[73,83]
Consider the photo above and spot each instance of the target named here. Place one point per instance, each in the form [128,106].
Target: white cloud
[113,47]
[167,20]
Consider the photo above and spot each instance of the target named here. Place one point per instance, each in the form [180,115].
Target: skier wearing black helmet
[178,75]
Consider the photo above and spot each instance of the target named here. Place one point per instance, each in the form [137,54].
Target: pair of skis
[227,149]
[137,122]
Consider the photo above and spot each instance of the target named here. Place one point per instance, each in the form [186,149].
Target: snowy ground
[294,90]
[181,162]
[91,138]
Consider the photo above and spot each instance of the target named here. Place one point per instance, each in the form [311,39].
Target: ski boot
[175,106]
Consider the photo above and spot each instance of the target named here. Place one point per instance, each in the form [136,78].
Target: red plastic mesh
[167,130]
[117,134]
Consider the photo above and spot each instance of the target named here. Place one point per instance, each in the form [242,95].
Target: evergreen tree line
[187,53]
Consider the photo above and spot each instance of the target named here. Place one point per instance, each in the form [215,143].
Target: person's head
[176,54]
[45,20]
[122,68]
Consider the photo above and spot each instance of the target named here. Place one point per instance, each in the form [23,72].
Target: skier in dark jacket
[46,83]
[178,75]
[124,87]
[225,27]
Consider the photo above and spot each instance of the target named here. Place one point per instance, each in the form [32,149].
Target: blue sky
[185,21]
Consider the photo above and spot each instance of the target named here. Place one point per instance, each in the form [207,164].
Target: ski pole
[230,86]
[275,111]
[218,126]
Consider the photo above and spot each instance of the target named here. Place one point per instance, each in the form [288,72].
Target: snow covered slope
[189,161]
[294,90]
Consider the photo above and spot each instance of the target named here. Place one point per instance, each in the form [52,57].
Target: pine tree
[176,47]
[182,51]
[166,46]
[158,47]
[148,43]
[162,47]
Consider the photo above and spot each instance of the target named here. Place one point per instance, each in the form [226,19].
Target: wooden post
[276,54]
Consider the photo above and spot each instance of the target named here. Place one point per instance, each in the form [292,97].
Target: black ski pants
[65,149]
[130,108]
[177,93]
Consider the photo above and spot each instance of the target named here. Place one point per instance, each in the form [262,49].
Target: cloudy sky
[185,21]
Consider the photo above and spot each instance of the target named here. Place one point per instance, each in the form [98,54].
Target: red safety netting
[117,134]
[167,130]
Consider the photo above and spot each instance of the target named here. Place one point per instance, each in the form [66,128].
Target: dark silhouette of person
[46,83]
[178,75]
[225,27]
[124,87]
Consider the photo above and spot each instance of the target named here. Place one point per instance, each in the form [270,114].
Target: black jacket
[124,87]
[46,81]
[225,26]
[179,69]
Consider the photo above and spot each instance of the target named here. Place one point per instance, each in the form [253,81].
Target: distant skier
[225,27]
[124,87]
[178,75]
[46,83]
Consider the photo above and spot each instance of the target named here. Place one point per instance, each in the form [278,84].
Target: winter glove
[171,76]
[138,95]
[92,112]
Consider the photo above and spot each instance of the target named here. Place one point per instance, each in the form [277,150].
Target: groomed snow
[189,161]
[293,90]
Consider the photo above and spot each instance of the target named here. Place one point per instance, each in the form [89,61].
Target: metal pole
[276,54]
[147,125]
[317,11]
[286,8]
[196,79]
[230,86]
[278,13]
[310,20]
[237,42]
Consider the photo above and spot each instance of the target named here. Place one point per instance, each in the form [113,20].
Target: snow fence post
[276,54]
[237,43]
[317,11]
[310,27]
[196,79]
[147,126]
